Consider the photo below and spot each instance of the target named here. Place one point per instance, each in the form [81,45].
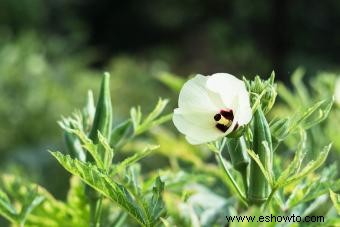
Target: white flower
[211,107]
[337,91]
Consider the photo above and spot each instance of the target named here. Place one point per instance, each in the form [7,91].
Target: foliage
[155,178]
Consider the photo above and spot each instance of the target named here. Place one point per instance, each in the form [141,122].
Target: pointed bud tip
[107,75]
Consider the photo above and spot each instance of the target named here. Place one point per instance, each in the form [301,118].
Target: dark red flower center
[224,120]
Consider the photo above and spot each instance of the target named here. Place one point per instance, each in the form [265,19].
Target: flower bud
[263,89]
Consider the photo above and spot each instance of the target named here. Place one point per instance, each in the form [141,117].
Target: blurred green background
[52,52]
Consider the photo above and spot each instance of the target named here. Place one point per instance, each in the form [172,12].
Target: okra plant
[256,158]
[102,192]
[264,162]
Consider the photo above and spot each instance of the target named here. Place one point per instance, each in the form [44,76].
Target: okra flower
[211,107]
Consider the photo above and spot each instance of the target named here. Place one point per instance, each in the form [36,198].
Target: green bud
[73,144]
[103,116]
[259,187]
[264,89]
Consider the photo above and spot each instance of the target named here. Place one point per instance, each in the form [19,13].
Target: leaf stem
[229,176]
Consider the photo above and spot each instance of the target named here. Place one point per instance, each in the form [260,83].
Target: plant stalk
[233,182]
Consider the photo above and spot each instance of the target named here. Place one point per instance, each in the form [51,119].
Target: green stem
[243,173]
[231,179]
[95,211]
[270,197]
[237,149]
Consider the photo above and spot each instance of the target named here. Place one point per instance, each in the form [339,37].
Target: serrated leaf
[156,206]
[105,185]
[311,166]
[90,147]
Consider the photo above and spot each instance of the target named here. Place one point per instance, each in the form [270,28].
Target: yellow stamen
[224,121]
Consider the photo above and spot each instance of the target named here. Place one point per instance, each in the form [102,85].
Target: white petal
[195,97]
[234,94]
[227,86]
[198,127]
[243,112]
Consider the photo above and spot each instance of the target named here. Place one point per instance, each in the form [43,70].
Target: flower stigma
[224,120]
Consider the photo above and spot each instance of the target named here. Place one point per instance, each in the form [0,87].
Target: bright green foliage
[144,174]
[120,133]
[30,202]
[37,204]
[142,212]
[282,128]
[151,120]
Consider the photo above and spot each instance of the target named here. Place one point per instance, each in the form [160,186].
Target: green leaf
[136,116]
[156,207]
[151,120]
[133,159]
[295,165]
[51,212]
[281,128]
[120,132]
[315,114]
[297,80]
[90,147]
[161,104]
[32,200]
[105,185]
[6,209]
[287,95]
[336,200]
[107,150]
[311,166]
[76,198]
